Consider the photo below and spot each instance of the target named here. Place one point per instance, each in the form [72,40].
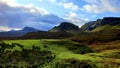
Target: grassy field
[102,55]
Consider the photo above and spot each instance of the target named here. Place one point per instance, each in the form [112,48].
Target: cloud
[100,6]
[33,9]
[92,1]
[5,28]
[75,19]
[19,16]
[69,5]
[11,3]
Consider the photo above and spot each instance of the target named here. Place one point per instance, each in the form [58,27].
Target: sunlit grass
[104,52]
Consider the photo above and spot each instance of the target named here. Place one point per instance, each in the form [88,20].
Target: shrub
[32,58]
[74,63]
[79,49]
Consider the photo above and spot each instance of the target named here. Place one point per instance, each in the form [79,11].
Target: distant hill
[17,33]
[107,23]
[101,36]
[46,35]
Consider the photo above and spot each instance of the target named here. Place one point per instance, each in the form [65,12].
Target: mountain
[101,30]
[107,23]
[64,26]
[67,27]
[28,29]
[14,33]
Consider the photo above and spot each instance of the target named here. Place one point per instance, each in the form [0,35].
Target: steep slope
[14,33]
[106,27]
[102,24]
[65,26]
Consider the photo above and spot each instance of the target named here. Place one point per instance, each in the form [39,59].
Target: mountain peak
[63,23]
[110,20]
[105,23]
[65,26]
[27,28]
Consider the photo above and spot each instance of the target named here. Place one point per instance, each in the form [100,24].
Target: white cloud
[93,8]
[74,18]
[25,15]
[34,9]
[27,8]
[11,3]
[100,6]
[92,1]
[69,5]
[5,28]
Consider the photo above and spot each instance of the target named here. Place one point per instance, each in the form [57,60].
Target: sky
[45,14]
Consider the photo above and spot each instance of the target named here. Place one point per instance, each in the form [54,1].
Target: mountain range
[67,29]
[107,23]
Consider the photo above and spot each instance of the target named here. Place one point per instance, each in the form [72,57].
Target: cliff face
[111,21]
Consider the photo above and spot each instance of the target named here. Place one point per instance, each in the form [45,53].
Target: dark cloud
[21,16]
[50,18]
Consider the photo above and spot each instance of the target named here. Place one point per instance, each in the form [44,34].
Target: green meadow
[62,54]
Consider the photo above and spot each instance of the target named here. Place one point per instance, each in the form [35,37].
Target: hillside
[67,27]
[64,26]
[101,36]
[106,27]
[53,53]
[107,23]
